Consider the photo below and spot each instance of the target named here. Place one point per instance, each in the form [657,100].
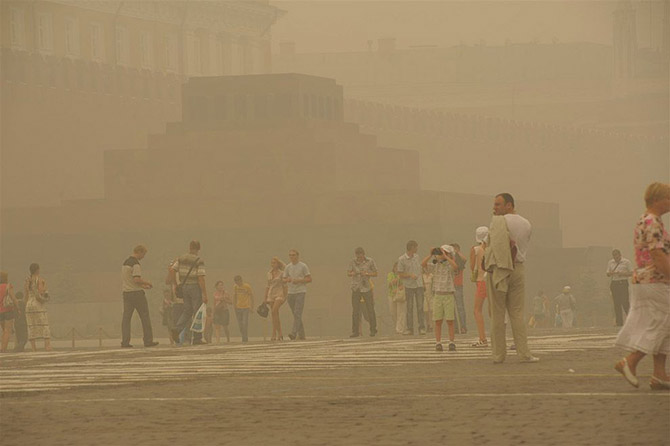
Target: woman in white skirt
[647,327]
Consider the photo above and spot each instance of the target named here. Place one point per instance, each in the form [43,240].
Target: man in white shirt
[619,270]
[514,298]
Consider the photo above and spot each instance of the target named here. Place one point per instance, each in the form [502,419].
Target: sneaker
[126,346]
[408,332]
[291,336]
[353,335]
[530,359]
[373,333]
[438,347]
[452,347]
[422,331]
[480,343]
[151,344]
[199,342]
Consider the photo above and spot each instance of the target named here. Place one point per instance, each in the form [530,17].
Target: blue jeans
[412,294]
[460,308]
[242,315]
[192,301]
[297,304]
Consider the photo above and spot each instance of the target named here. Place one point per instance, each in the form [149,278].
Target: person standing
[9,309]
[20,324]
[443,266]
[505,256]
[565,303]
[539,310]
[221,312]
[646,330]
[461,261]
[619,270]
[361,268]
[134,298]
[275,295]
[37,319]
[478,275]
[243,302]
[296,275]
[409,270]
[396,298]
[191,270]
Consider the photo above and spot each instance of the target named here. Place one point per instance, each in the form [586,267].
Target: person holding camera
[360,270]
[36,311]
[440,262]
[133,286]
[409,270]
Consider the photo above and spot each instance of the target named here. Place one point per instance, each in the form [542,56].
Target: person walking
[409,270]
[243,302]
[396,298]
[646,330]
[361,269]
[221,311]
[565,302]
[37,319]
[9,309]
[478,275]
[505,256]
[296,275]
[461,261]
[275,295]
[619,270]
[134,298]
[192,289]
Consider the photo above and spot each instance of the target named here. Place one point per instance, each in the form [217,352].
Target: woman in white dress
[647,327]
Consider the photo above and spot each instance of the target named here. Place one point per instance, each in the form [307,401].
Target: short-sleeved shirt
[296,271]
[183,265]
[242,295]
[410,265]
[129,270]
[458,277]
[519,232]
[623,266]
[221,300]
[443,276]
[649,235]
[358,282]
[565,301]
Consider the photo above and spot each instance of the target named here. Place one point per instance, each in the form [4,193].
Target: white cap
[448,249]
[567,289]
[481,233]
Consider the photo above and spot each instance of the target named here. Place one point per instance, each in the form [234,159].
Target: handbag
[399,294]
[179,290]
[263,310]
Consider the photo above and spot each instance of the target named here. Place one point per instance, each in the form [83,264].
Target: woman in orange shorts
[479,276]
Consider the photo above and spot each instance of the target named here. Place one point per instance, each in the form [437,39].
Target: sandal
[622,367]
[658,384]
[480,343]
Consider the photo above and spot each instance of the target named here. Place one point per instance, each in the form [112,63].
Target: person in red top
[8,307]
[461,325]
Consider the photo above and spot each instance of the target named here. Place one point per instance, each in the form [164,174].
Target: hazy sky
[339,25]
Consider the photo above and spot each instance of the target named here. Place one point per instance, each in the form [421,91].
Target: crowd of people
[431,286]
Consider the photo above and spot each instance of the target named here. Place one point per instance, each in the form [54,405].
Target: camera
[436,252]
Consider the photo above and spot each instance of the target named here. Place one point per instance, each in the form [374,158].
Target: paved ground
[387,391]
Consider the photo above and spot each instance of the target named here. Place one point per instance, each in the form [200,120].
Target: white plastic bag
[198,325]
